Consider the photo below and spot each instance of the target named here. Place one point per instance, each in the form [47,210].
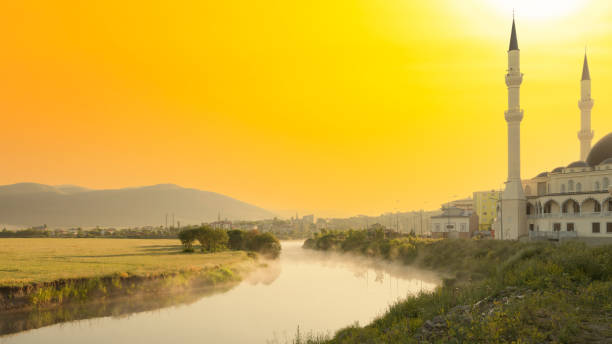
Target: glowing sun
[539,8]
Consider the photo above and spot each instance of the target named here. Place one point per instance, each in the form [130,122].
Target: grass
[499,292]
[32,261]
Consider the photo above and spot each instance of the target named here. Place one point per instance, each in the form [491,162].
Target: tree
[264,243]
[187,237]
[210,239]
[236,239]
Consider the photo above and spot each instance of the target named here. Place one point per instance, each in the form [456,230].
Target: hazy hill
[32,204]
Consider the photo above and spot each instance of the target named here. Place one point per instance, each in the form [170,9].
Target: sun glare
[539,8]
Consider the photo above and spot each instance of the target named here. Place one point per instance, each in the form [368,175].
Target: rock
[428,324]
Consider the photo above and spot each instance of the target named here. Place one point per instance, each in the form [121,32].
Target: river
[317,291]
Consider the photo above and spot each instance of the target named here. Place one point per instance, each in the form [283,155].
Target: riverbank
[499,292]
[37,273]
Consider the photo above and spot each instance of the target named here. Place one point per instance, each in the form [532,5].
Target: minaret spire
[514,202]
[585,69]
[513,39]
[585,135]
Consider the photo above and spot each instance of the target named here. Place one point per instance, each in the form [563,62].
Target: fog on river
[317,291]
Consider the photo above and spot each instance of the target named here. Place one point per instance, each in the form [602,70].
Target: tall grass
[497,292]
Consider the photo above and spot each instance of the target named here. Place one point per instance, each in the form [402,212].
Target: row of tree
[213,240]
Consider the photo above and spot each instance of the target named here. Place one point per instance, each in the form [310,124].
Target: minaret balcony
[515,115]
[586,104]
[585,134]
[513,79]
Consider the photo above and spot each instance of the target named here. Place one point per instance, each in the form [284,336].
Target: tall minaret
[585,135]
[514,203]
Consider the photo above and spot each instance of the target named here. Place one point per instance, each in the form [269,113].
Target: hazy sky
[335,107]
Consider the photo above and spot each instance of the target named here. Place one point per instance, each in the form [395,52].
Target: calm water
[312,290]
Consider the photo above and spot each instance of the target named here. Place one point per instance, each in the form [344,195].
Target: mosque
[571,201]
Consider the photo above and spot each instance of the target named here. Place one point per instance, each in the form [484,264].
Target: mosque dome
[578,164]
[607,161]
[557,170]
[543,174]
[601,151]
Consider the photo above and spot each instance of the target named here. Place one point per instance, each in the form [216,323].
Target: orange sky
[331,107]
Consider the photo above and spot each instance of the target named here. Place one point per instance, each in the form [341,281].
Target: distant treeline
[374,242]
[129,233]
[24,233]
[212,240]
[132,233]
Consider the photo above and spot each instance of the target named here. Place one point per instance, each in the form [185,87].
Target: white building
[454,223]
[571,201]
[574,200]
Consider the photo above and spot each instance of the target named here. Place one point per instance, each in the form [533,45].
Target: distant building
[227,225]
[308,219]
[454,223]
[485,206]
[466,204]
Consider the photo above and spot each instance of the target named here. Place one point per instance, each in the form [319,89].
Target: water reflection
[316,291]
[13,322]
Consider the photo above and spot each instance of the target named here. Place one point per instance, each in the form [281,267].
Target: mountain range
[31,204]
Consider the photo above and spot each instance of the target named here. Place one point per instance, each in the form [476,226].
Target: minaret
[514,203]
[585,135]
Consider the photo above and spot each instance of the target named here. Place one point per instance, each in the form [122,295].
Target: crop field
[27,261]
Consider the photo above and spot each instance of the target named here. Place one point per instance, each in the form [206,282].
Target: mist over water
[316,291]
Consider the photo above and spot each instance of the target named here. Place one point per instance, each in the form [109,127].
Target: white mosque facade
[570,201]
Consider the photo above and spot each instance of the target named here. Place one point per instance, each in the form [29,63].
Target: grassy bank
[42,272]
[497,292]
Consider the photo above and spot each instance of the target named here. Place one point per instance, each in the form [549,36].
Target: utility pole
[421,222]
[448,212]
[397,221]
[501,213]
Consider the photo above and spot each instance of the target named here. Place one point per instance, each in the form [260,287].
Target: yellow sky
[332,107]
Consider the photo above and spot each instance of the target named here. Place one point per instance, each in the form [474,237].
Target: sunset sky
[333,107]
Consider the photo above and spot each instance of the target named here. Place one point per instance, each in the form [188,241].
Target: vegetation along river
[317,291]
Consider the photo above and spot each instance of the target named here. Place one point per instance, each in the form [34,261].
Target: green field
[27,261]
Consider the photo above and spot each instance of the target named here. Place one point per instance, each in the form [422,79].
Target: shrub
[187,238]
[266,244]
[236,239]
[211,240]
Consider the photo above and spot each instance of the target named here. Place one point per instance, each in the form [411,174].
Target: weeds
[499,292]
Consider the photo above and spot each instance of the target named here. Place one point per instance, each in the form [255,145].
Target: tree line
[214,240]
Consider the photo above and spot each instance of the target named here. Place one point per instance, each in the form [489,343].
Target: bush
[236,239]
[211,240]
[264,243]
[187,238]
[374,242]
